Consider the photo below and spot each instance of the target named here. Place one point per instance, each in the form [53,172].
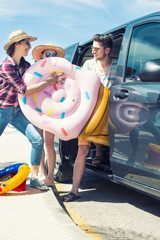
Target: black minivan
[134,116]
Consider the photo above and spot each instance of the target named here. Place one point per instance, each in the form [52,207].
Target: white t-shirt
[107,78]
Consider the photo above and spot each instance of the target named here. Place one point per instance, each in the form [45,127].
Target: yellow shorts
[84,141]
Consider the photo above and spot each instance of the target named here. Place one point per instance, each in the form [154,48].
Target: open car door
[71,52]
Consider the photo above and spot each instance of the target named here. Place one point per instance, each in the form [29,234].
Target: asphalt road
[113,211]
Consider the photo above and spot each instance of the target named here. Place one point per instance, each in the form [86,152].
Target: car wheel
[64,167]
[67,151]
[63,173]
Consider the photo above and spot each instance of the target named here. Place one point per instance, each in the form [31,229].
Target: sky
[64,22]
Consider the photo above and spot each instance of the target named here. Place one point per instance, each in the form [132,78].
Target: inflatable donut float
[62,109]
[22,170]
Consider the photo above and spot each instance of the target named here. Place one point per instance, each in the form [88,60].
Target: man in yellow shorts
[105,67]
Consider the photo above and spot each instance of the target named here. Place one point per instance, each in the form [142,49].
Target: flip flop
[70,197]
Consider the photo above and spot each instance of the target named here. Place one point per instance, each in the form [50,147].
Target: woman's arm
[52,79]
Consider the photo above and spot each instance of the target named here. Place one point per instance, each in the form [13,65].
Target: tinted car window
[144,46]
[70,52]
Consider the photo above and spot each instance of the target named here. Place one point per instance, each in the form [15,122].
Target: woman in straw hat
[11,84]
[41,52]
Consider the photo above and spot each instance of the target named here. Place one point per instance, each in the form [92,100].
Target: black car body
[134,103]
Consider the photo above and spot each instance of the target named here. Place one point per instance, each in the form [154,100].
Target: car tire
[63,172]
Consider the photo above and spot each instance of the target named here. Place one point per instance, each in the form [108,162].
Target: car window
[144,46]
[87,54]
[70,52]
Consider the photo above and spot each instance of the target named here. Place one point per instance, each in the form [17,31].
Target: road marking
[75,216]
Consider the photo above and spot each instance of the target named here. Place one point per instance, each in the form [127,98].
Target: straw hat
[36,53]
[17,36]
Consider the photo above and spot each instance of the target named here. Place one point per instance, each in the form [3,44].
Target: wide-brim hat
[17,36]
[36,52]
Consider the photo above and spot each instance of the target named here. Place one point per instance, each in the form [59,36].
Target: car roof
[119,28]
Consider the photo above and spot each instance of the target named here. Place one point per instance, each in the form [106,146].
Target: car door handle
[121,94]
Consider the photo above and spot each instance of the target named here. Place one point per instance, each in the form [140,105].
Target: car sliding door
[134,122]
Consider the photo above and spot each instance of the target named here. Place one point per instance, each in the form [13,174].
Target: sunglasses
[96,49]
[51,54]
[28,43]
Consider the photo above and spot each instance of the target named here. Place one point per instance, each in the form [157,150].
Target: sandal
[70,197]
[97,160]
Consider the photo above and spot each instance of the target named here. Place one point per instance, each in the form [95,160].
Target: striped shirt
[11,82]
[107,78]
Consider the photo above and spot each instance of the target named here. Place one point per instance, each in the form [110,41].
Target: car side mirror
[150,71]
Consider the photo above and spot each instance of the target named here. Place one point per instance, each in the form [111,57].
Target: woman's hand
[55,78]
